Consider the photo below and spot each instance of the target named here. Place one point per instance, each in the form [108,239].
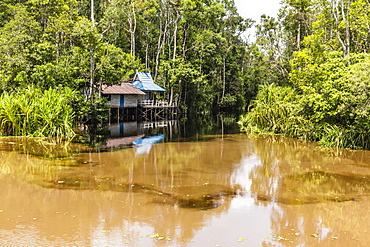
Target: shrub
[34,112]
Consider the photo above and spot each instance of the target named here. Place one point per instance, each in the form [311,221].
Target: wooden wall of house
[114,100]
[127,100]
[132,100]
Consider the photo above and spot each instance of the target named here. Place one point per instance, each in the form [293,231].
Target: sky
[255,8]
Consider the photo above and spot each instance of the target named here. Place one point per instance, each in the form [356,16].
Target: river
[165,188]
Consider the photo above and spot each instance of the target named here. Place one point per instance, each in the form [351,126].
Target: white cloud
[254,9]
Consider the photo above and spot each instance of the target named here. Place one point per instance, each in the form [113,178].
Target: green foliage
[311,61]
[331,102]
[197,44]
[34,112]
[275,110]
[113,65]
[326,43]
[5,11]
[296,17]
[18,39]
[93,111]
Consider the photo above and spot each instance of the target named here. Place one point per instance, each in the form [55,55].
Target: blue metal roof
[144,81]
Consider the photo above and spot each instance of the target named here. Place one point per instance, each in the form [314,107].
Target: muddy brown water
[229,190]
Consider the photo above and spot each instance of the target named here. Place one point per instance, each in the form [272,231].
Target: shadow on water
[203,197]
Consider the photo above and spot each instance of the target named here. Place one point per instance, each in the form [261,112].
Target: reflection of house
[125,129]
[132,133]
[143,145]
[121,142]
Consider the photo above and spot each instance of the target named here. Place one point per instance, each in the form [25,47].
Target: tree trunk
[175,35]
[147,49]
[171,96]
[161,42]
[132,23]
[224,76]
[92,56]
[92,13]
[299,37]
[92,72]
[335,11]
[347,32]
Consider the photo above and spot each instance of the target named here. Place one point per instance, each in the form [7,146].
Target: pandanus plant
[37,112]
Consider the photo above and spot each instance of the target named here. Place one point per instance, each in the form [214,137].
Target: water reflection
[143,145]
[293,172]
[267,191]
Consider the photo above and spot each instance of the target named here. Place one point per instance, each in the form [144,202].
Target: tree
[18,48]
[297,17]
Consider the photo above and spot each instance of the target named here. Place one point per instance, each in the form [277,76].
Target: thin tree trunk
[348,34]
[335,12]
[159,48]
[224,76]
[161,42]
[175,35]
[132,23]
[185,35]
[92,72]
[171,96]
[147,49]
[92,55]
[92,13]
[299,37]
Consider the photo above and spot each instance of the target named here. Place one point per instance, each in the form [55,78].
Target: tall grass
[34,112]
[340,137]
[278,110]
[275,110]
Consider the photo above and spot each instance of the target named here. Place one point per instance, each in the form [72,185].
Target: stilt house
[136,99]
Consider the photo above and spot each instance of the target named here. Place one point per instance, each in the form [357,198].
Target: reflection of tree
[194,175]
[294,172]
[42,147]
[322,224]
[153,186]
[296,176]
[120,195]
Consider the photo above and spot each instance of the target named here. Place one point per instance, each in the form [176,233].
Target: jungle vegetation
[326,97]
[193,48]
[305,74]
